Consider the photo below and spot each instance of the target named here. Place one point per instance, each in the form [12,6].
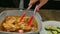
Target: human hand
[39,5]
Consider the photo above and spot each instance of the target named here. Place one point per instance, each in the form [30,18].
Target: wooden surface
[50,15]
[45,14]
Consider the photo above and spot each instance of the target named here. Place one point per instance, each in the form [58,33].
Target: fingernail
[20,31]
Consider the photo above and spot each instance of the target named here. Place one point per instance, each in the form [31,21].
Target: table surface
[45,14]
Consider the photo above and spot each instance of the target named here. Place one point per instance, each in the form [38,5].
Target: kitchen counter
[45,14]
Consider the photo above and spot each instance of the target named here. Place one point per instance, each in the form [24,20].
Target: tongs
[28,8]
[23,14]
[29,22]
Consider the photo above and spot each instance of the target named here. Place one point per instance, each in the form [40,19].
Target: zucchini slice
[49,32]
[47,27]
[58,30]
[54,32]
[58,27]
[53,28]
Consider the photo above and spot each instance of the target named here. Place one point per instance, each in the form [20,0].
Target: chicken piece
[25,19]
[10,19]
[18,25]
[1,28]
[9,27]
[25,27]
[18,20]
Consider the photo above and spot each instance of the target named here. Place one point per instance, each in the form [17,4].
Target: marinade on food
[13,24]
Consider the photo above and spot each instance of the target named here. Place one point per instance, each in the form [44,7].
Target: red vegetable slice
[29,22]
[22,16]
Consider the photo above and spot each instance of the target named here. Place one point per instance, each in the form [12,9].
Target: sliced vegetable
[58,27]
[49,32]
[50,28]
[53,28]
[54,32]
[58,30]
[47,27]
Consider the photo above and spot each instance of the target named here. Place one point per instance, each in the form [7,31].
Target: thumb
[31,3]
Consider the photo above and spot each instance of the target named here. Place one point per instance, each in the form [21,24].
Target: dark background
[15,4]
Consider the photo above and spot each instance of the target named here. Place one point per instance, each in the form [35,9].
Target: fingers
[21,31]
[36,8]
[42,2]
[32,2]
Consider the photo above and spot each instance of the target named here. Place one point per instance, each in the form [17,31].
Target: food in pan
[53,29]
[16,23]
